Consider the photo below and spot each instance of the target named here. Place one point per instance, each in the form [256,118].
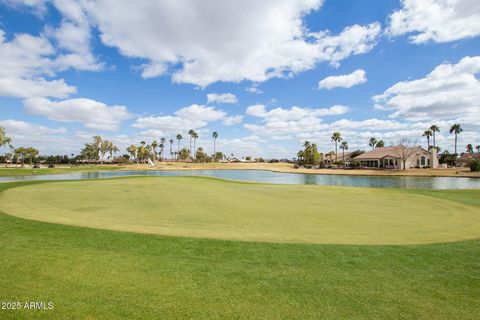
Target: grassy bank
[92,274]
[212,208]
[11,171]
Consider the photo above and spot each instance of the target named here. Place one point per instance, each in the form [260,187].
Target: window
[423,160]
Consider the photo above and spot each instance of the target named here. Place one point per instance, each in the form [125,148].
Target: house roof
[467,156]
[380,153]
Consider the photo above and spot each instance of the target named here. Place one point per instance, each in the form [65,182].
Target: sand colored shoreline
[289,168]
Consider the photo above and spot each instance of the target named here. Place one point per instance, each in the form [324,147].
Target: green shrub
[474,165]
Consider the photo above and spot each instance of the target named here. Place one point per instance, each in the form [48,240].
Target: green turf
[29,171]
[100,274]
[212,208]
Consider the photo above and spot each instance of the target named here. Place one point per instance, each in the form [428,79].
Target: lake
[278,177]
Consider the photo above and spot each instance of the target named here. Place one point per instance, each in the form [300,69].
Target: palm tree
[132,149]
[171,143]
[456,129]
[195,137]
[190,133]
[179,137]
[380,144]
[215,136]
[336,137]
[428,134]
[162,143]
[477,148]
[434,128]
[154,148]
[372,142]
[469,148]
[343,146]
[161,146]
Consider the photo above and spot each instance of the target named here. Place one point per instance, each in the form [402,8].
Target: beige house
[329,158]
[464,158]
[393,158]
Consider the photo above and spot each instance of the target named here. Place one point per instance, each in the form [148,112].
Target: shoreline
[288,168]
[272,167]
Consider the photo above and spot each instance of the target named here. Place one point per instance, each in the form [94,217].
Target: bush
[474,165]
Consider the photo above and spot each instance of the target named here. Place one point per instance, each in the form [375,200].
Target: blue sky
[282,72]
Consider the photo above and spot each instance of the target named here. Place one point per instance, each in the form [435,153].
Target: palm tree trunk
[434,139]
[194,146]
[455,147]
[214,149]
[335,151]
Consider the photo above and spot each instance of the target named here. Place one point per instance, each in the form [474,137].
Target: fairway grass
[218,209]
[101,274]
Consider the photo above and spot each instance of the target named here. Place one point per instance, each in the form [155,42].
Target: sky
[266,75]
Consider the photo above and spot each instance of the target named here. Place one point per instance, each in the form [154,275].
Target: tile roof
[379,153]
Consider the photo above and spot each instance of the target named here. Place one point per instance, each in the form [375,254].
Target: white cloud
[224,40]
[24,61]
[21,129]
[231,120]
[222,98]
[436,20]
[450,91]
[47,140]
[343,81]
[283,123]
[253,89]
[192,117]
[92,114]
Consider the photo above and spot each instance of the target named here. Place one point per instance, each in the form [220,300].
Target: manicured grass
[29,171]
[212,208]
[100,274]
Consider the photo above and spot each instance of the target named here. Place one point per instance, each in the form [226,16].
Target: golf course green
[293,252]
[219,209]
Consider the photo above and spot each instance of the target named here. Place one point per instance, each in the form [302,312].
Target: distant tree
[215,136]
[154,145]
[336,137]
[380,144]
[195,137]
[343,146]
[190,133]
[179,137]
[171,151]
[201,156]
[372,142]
[184,154]
[469,148]
[477,148]
[23,153]
[132,150]
[456,129]
[309,155]
[4,140]
[406,149]
[427,134]
[218,156]
[162,147]
[434,128]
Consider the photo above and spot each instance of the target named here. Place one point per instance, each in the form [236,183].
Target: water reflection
[277,177]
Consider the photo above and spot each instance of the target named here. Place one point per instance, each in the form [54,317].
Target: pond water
[277,177]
